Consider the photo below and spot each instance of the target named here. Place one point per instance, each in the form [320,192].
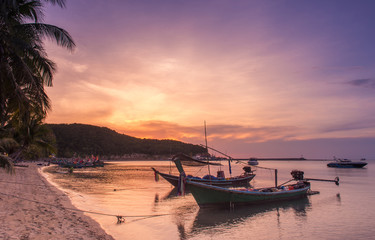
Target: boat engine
[247,169]
[220,174]
[297,175]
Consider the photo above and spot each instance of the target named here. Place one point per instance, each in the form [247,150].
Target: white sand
[24,216]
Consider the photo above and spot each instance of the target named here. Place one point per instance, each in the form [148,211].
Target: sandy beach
[25,212]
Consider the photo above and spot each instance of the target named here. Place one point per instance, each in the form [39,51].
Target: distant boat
[253,161]
[346,163]
[78,162]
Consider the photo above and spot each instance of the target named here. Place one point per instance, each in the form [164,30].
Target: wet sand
[25,212]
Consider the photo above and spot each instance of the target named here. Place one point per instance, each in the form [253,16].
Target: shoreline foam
[26,211]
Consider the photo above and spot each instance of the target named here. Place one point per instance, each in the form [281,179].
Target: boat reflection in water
[173,193]
[218,221]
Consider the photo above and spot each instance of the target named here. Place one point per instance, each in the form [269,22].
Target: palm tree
[34,138]
[24,67]
[6,163]
[7,145]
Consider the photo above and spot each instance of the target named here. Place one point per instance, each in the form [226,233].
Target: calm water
[338,212]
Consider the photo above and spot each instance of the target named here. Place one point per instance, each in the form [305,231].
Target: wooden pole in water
[270,169]
[275,177]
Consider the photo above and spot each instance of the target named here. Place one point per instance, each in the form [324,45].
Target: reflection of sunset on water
[137,194]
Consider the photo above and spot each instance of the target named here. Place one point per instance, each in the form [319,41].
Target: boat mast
[229,158]
[205,135]
[205,138]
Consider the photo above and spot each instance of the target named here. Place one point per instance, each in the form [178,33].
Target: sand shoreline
[23,214]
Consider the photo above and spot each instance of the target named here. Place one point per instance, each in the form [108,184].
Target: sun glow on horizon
[255,73]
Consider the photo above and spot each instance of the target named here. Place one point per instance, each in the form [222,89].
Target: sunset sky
[270,78]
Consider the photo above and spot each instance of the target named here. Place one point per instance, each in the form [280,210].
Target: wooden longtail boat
[208,195]
[242,180]
[220,180]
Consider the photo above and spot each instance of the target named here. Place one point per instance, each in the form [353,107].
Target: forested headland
[86,140]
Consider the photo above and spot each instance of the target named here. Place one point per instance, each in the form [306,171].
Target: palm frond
[6,163]
[31,10]
[61,3]
[8,144]
[42,65]
[54,33]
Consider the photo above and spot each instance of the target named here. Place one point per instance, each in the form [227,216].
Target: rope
[120,218]
[25,183]
[198,171]
[126,189]
[116,189]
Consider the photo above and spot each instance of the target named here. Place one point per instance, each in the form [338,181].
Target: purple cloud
[365,82]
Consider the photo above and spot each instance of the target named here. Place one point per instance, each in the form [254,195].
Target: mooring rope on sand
[115,189]
[33,184]
[137,188]
[120,218]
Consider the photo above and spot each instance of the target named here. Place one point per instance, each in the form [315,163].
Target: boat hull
[232,182]
[208,195]
[252,163]
[347,164]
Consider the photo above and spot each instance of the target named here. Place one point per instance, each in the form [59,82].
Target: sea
[153,209]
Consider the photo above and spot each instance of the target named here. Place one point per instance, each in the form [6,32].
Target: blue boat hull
[347,164]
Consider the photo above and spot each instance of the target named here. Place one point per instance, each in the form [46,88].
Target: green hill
[83,140]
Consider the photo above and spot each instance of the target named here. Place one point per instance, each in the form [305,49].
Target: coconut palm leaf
[57,34]
[8,145]
[6,163]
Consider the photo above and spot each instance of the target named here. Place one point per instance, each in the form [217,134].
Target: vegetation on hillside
[85,140]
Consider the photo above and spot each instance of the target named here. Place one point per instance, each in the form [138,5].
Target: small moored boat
[242,180]
[219,180]
[253,161]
